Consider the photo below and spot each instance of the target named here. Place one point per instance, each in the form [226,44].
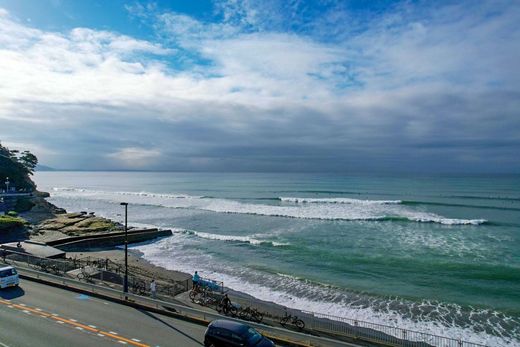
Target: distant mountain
[44,168]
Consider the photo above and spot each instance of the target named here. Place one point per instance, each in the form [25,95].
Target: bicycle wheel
[80,276]
[233,311]
[284,320]
[244,314]
[299,324]
[257,317]
[193,295]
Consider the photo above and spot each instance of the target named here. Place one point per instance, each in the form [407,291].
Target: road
[39,315]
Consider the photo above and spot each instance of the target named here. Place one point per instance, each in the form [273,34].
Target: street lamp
[7,184]
[125,283]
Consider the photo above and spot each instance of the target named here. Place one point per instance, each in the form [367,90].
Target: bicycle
[294,320]
[84,275]
[138,287]
[232,309]
[49,268]
[251,314]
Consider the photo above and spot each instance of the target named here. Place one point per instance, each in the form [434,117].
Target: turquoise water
[436,254]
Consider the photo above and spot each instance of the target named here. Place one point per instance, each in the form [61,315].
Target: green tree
[29,161]
[17,169]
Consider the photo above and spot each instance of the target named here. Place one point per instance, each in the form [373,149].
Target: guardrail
[180,311]
[340,327]
[100,269]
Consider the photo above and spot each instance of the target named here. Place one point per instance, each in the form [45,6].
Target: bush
[10,222]
[23,205]
[12,213]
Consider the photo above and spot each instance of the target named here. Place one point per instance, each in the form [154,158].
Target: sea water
[435,254]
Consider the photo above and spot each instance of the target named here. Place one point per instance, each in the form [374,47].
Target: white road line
[113,332]
[25,311]
[93,326]
[79,328]
[3,344]
[136,340]
[122,342]
[22,305]
[72,320]
[55,314]
[101,335]
[10,306]
[59,322]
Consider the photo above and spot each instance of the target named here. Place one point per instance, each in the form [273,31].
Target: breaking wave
[338,201]
[231,238]
[304,208]
[467,323]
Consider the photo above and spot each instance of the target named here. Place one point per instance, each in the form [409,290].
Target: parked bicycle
[203,296]
[49,268]
[138,287]
[251,314]
[294,320]
[84,275]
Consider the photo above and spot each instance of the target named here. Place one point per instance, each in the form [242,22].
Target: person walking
[226,304]
[153,288]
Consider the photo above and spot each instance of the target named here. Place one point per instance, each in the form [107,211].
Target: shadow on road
[151,315]
[11,293]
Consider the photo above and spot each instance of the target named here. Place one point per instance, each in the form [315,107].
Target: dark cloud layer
[414,92]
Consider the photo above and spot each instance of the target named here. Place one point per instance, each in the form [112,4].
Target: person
[195,280]
[153,288]
[226,303]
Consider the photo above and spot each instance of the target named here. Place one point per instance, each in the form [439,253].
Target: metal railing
[181,311]
[99,270]
[338,327]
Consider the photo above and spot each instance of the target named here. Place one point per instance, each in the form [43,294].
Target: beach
[431,254]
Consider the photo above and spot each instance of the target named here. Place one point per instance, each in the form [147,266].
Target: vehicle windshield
[253,336]
[7,273]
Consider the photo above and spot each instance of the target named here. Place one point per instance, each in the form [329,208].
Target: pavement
[35,314]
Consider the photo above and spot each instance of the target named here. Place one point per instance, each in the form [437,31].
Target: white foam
[338,201]
[297,293]
[232,238]
[354,210]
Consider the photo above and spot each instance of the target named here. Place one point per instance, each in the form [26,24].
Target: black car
[226,333]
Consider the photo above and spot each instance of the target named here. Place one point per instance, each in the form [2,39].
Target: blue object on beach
[210,284]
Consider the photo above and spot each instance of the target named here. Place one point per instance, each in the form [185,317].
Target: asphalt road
[38,315]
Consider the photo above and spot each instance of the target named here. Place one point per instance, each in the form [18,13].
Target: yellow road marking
[23,307]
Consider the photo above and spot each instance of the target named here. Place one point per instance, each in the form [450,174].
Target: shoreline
[159,271]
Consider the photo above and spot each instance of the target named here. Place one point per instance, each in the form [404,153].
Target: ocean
[439,254]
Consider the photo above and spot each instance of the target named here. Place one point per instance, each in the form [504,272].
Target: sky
[263,85]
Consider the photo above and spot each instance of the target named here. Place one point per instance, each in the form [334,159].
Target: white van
[8,277]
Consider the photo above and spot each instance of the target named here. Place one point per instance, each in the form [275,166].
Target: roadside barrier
[318,323]
[179,311]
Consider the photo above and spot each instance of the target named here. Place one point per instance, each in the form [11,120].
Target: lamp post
[125,283]
[7,184]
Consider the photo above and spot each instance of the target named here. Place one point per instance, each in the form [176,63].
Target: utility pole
[125,283]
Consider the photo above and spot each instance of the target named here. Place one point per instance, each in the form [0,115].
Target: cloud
[272,86]
[132,157]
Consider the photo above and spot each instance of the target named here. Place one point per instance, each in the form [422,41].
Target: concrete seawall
[79,243]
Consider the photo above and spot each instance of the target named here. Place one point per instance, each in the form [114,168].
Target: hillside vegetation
[18,167]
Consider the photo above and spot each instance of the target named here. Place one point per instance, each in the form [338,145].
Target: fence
[336,327]
[98,270]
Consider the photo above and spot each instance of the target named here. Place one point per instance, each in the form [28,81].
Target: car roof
[6,267]
[230,325]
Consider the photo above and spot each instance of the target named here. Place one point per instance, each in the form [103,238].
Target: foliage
[17,167]
[12,213]
[23,205]
[9,223]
